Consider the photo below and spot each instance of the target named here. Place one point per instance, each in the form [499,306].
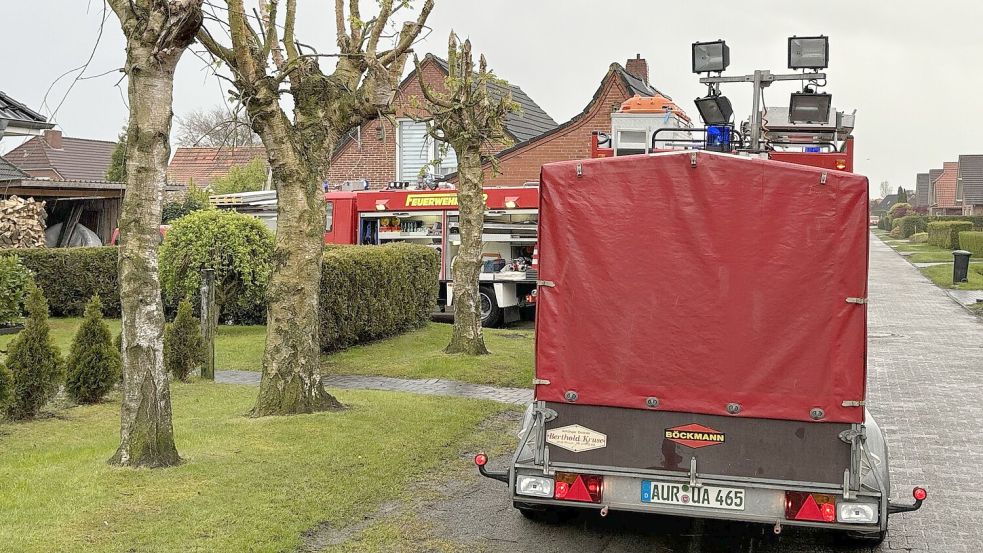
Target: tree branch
[407,36]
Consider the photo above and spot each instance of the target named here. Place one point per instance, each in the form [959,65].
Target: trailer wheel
[545,514]
[491,313]
[866,538]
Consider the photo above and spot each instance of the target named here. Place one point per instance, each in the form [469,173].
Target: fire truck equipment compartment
[717,284]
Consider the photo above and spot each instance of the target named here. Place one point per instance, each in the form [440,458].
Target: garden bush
[70,276]
[972,241]
[184,349]
[195,199]
[34,361]
[900,210]
[945,234]
[919,238]
[93,366]
[14,279]
[373,292]
[6,382]
[895,232]
[238,247]
[911,224]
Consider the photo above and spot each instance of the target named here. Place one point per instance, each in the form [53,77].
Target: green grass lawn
[236,347]
[942,276]
[419,354]
[246,484]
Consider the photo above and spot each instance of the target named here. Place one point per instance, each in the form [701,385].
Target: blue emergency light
[718,138]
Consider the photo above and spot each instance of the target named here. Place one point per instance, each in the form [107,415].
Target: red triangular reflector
[578,492]
[809,510]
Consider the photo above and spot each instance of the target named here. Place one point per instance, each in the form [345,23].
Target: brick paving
[925,376]
[433,386]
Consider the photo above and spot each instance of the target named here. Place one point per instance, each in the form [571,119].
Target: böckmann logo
[694,435]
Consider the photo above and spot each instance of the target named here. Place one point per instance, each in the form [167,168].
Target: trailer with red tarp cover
[701,345]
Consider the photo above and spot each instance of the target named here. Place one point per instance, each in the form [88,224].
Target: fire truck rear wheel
[544,513]
[491,313]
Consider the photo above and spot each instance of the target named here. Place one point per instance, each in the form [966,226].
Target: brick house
[382,152]
[944,190]
[571,140]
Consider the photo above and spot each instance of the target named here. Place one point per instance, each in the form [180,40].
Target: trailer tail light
[587,488]
[531,297]
[841,164]
[815,507]
[919,494]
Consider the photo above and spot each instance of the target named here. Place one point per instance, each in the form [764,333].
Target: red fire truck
[430,218]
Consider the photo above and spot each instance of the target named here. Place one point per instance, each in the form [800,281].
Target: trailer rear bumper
[757,503]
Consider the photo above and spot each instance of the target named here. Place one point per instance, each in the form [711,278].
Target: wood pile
[22,223]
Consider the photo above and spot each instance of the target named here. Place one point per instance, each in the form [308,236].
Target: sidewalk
[433,386]
[925,378]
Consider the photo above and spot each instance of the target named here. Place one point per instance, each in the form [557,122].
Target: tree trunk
[291,382]
[146,435]
[466,265]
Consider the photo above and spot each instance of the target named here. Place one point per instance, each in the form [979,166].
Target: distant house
[969,186]
[56,157]
[884,205]
[922,190]
[69,174]
[381,152]
[202,165]
[944,190]
[16,119]
[571,140]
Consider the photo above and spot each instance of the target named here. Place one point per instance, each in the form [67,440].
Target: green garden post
[208,322]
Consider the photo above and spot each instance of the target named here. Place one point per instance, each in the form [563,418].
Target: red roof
[207,164]
[75,159]
[945,185]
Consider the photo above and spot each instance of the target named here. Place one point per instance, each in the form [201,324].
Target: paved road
[926,390]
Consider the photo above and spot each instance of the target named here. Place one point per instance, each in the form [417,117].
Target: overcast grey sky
[911,69]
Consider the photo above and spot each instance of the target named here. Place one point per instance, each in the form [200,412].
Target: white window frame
[432,152]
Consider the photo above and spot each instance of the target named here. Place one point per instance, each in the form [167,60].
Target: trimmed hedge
[972,241]
[367,292]
[912,224]
[945,234]
[373,292]
[919,238]
[70,276]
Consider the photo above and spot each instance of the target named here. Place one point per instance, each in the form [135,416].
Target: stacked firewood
[22,223]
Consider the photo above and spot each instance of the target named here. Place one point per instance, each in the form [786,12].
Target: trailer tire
[491,313]
[545,514]
[866,538]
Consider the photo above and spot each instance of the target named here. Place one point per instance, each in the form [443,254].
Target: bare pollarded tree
[470,120]
[217,127]
[157,34]
[267,62]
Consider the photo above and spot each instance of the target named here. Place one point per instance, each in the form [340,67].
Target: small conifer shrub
[184,348]
[34,361]
[94,361]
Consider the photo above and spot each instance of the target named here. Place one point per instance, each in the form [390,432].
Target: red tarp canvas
[723,283]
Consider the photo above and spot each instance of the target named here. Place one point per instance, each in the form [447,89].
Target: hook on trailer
[481,460]
[778,527]
[918,493]
[604,511]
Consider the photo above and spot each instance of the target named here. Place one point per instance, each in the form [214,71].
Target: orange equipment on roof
[652,104]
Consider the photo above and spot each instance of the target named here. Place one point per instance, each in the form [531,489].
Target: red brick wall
[373,157]
[571,142]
